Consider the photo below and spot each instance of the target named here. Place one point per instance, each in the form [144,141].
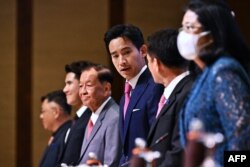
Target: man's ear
[56,112]
[158,64]
[144,50]
[107,88]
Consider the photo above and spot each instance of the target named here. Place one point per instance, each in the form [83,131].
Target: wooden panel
[24,83]
[116,16]
[64,31]
[151,16]
[7,82]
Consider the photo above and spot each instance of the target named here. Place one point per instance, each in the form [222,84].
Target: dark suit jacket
[72,150]
[166,125]
[104,139]
[140,113]
[53,152]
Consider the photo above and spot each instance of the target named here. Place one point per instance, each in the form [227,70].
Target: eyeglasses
[191,28]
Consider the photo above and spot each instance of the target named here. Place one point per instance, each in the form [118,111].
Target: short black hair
[59,98]
[128,31]
[77,67]
[163,45]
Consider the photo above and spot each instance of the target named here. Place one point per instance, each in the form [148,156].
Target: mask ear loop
[207,43]
[204,33]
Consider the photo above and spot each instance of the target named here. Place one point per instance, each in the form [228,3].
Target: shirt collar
[134,80]
[80,111]
[169,89]
[95,115]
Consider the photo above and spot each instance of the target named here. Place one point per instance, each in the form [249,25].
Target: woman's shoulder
[228,68]
[226,63]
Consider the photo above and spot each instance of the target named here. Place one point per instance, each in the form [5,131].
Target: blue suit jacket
[140,113]
[53,152]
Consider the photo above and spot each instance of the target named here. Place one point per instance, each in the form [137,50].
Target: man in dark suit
[169,69]
[55,116]
[102,133]
[138,105]
[75,134]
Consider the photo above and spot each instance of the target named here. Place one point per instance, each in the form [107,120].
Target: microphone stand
[142,156]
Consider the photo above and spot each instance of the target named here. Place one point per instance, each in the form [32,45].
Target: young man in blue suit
[55,116]
[138,106]
[171,70]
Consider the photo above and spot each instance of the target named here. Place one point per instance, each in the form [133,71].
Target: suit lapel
[77,130]
[97,125]
[168,104]
[92,135]
[80,124]
[171,100]
[136,95]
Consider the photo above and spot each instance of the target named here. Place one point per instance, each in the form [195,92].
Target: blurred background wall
[38,37]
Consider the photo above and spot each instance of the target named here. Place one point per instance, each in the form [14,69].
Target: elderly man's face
[92,92]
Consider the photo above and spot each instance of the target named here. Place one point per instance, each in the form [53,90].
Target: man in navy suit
[171,70]
[55,116]
[126,46]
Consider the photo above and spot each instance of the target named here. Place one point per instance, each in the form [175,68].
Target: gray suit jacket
[104,139]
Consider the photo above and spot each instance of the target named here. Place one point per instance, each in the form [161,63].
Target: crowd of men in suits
[157,81]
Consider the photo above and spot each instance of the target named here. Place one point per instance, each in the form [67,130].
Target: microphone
[126,163]
[160,139]
[140,144]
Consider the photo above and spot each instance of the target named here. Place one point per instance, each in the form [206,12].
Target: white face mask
[187,44]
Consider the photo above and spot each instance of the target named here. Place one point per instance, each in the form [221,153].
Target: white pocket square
[136,109]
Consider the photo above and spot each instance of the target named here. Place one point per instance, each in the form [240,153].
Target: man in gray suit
[102,134]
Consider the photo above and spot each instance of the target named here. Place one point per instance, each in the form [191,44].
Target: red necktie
[89,128]
[161,104]
[127,91]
